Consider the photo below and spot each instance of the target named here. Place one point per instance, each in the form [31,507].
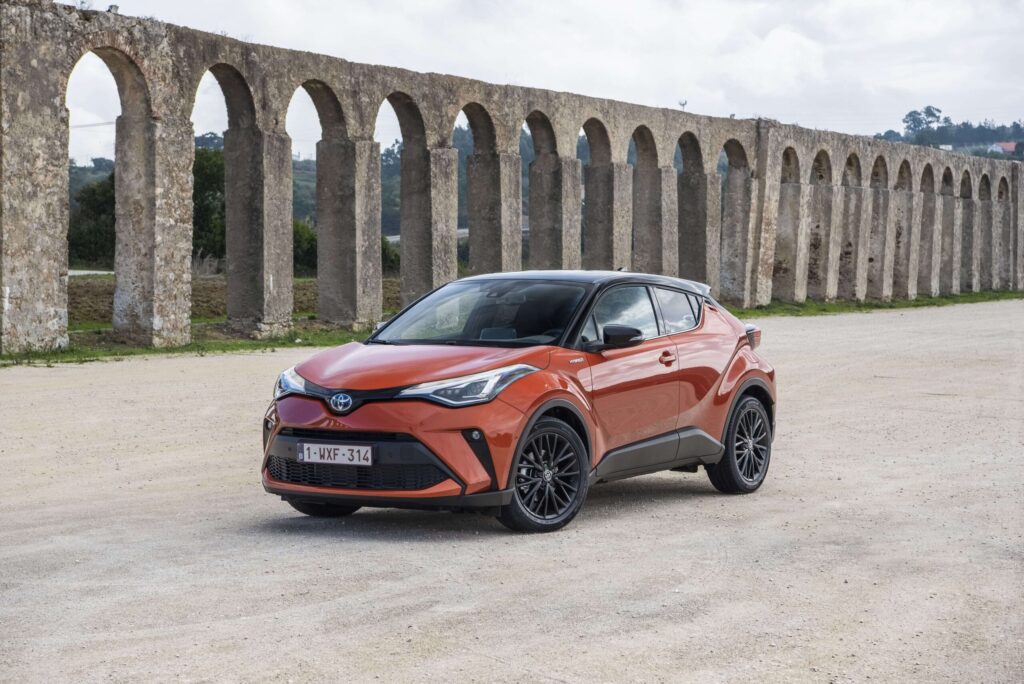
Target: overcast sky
[855,66]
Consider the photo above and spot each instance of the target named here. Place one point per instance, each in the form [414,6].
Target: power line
[94,125]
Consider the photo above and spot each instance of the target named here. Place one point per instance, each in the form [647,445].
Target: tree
[913,123]
[303,248]
[91,231]
[208,203]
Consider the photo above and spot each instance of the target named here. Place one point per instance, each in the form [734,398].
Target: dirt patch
[884,546]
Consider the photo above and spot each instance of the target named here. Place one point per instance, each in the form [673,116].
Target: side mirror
[379,325]
[617,337]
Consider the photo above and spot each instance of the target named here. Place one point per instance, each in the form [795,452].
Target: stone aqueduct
[800,214]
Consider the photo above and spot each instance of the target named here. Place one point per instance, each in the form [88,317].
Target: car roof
[598,278]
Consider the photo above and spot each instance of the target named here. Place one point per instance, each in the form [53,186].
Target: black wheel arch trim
[741,392]
[539,413]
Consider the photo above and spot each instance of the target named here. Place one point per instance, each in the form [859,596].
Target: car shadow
[390,524]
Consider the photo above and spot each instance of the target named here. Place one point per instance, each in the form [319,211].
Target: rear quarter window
[680,310]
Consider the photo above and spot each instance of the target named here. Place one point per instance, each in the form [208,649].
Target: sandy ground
[888,542]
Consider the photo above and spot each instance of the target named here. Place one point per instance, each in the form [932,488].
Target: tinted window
[504,313]
[626,306]
[677,308]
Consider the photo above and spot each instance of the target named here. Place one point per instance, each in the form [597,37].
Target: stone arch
[852,229]
[598,141]
[969,275]
[135,199]
[985,188]
[928,246]
[542,132]
[493,199]
[905,238]
[946,188]
[789,272]
[851,171]
[554,199]
[987,238]
[647,237]
[1003,226]
[878,244]
[606,240]
[328,109]
[410,120]
[820,240]
[348,269]
[428,255]
[237,95]
[737,193]
[904,178]
[880,173]
[698,239]
[949,229]
[482,126]
[256,303]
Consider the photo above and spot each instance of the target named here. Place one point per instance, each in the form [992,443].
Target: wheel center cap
[548,475]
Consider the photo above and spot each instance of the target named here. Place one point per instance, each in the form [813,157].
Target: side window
[696,303]
[628,305]
[589,333]
[677,309]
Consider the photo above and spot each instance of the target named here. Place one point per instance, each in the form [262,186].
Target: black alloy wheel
[748,450]
[549,480]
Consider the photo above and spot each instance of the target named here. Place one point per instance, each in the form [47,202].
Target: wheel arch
[568,413]
[758,389]
[563,410]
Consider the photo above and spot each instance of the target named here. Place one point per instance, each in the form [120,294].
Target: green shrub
[303,248]
[390,258]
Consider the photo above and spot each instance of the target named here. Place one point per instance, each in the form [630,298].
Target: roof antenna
[621,268]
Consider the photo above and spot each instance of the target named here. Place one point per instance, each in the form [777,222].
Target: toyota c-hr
[514,393]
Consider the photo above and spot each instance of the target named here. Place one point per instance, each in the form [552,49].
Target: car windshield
[499,313]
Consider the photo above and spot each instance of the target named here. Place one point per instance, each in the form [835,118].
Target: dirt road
[888,542]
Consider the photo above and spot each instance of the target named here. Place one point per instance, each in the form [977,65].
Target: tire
[323,510]
[748,450]
[549,479]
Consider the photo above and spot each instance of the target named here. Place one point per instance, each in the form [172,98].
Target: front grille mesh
[384,476]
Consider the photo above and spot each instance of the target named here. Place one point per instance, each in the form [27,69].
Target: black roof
[598,278]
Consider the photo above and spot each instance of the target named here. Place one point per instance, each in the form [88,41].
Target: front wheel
[549,479]
[323,510]
[748,450]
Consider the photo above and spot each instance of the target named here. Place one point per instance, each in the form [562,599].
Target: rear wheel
[549,480]
[323,510]
[748,450]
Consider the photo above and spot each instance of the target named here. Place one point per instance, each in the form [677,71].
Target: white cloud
[849,65]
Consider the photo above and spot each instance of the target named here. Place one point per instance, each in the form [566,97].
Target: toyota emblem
[340,402]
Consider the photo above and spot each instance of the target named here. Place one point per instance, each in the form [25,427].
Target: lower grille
[395,476]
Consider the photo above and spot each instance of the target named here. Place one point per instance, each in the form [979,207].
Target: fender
[745,370]
[546,406]
[761,384]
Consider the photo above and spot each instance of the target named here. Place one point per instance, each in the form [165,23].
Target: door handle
[667,358]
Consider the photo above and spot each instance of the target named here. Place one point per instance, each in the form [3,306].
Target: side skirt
[679,449]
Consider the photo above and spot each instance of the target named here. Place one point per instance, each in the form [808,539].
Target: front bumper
[425,455]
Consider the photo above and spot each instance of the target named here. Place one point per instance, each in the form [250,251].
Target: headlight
[469,389]
[290,382]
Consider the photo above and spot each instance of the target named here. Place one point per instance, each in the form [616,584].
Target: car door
[702,354]
[634,391]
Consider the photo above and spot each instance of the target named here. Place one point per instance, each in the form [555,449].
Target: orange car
[514,393]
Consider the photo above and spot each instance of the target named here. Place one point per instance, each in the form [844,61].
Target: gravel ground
[887,542]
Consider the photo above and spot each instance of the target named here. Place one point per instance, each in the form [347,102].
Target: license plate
[339,454]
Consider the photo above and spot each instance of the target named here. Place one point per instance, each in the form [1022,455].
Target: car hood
[357,366]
